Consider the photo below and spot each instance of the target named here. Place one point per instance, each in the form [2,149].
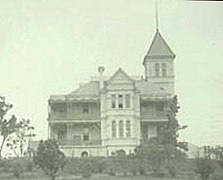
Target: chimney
[101,70]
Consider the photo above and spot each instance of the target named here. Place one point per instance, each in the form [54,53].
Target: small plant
[204,167]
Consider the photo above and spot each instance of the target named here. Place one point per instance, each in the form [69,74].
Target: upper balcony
[154,111]
[69,111]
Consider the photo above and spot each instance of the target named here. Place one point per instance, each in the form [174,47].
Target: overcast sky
[51,46]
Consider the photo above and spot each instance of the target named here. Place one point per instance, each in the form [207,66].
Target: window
[128,129]
[113,101]
[86,108]
[120,101]
[86,135]
[164,69]
[157,69]
[127,101]
[113,129]
[121,134]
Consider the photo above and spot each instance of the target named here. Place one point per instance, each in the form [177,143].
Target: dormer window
[120,101]
[157,69]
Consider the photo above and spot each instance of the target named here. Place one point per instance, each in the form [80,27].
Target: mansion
[118,112]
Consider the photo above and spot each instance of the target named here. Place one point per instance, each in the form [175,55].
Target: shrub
[85,167]
[110,166]
[98,164]
[204,167]
[132,164]
[16,167]
[49,158]
[216,176]
[29,165]
[17,170]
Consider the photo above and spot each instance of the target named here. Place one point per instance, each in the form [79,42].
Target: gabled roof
[120,75]
[159,48]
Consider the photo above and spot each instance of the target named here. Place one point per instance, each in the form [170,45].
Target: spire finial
[157,16]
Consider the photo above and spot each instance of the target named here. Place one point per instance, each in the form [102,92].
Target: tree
[163,150]
[218,152]
[49,158]
[7,126]
[152,154]
[19,140]
[169,131]
[204,167]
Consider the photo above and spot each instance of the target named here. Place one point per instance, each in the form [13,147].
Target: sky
[50,47]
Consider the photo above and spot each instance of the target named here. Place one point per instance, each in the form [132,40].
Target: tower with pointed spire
[158,61]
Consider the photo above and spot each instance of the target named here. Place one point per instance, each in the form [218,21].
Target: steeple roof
[159,48]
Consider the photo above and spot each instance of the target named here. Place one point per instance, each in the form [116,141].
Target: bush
[49,158]
[216,176]
[79,166]
[204,167]
[110,167]
[4,165]
[29,165]
[72,166]
[86,167]
[16,167]
[17,170]
[98,165]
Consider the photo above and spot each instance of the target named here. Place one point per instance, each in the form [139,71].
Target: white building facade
[118,112]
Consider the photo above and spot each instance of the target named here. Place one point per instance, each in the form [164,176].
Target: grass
[95,177]
[185,170]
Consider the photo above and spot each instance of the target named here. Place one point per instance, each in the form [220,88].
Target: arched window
[113,129]
[84,154]
[164,69]
[157,69]
[121,132]
[128,129]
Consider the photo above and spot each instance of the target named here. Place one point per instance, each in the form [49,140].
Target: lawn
[95,177]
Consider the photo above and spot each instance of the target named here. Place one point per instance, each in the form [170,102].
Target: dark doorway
[84,154]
